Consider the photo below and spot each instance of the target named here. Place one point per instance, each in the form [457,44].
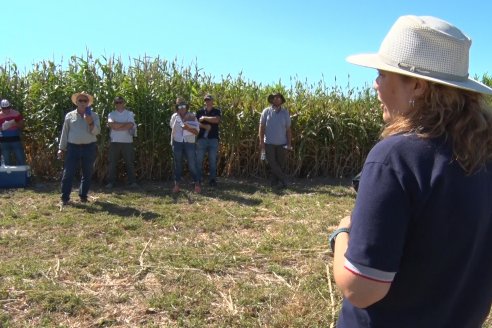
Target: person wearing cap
[208,139]
[183,135]
[78,145]
[416,250]
[122,126]
[11,124]
[276,137]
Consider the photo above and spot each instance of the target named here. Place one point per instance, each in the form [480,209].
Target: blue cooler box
[14,176]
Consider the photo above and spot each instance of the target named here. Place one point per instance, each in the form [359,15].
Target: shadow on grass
[123,211]
[239,191]
[242,191]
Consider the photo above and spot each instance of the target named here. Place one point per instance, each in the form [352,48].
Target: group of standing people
[193,136]
[78,144]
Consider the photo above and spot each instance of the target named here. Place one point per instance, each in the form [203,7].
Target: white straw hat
[427,48]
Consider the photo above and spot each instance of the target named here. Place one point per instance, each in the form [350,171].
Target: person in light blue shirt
[276,138]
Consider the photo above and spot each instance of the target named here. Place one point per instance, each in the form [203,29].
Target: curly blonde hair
[460,115]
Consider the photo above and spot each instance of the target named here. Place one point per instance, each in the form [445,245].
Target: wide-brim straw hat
[76,96]
[425,47]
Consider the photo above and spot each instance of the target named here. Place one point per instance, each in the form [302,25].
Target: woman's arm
[358,290]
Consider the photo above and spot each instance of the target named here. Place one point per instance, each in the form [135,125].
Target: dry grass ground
[241,255]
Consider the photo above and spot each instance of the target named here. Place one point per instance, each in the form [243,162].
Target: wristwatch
[334,235]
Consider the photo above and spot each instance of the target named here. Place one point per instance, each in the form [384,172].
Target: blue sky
[268,41]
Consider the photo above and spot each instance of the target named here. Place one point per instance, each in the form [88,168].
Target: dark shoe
[64,202]
[84,199]
[212,183]
[109,186]
[133,185]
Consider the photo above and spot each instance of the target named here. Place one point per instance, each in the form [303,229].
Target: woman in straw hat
[417,249]
[78,145]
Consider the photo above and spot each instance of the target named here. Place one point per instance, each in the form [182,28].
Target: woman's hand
[346,222]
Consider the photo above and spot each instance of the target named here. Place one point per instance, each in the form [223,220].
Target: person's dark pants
[209,147]
[276,156]
[125,149]
[15,148]
[78,156]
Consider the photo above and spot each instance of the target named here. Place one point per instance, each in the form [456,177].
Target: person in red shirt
[11,124]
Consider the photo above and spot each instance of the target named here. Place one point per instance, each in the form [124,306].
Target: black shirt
[213,133]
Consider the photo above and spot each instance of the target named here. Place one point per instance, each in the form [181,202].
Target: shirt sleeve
[263,117]
[64,133]
[287,120]
[380,218]
[19,117]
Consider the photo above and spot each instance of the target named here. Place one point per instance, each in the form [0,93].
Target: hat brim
[78,94]
[270,98]
[374,61]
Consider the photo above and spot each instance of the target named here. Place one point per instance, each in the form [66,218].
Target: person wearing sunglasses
[78,145]
[183,144]
[121,122]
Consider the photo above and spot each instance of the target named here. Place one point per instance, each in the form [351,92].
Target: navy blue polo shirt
[214,131]
[417,214]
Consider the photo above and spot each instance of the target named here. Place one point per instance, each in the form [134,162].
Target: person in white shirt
[183,135]
[121,121]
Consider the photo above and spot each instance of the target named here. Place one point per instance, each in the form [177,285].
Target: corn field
[333,129]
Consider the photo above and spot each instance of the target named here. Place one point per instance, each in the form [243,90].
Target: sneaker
[133,185]
[198,189]
[109,186]
[212,183]
[64,202]
[176,188]
[83,199]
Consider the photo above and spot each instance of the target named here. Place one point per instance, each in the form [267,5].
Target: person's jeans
[13,147]
[78,156]
[209,146]
[126,150]
[188,150]
[276,156]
